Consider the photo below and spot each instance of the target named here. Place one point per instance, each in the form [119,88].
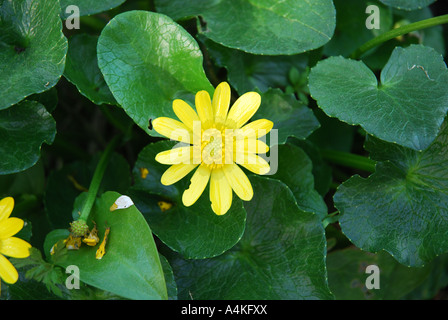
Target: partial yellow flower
[9,245]
[216,140]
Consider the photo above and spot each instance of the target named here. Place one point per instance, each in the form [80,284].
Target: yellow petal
[243,109]
[198,183]
[238,181]
[257,129]
[204,108]
[176,172]
[185,113]
[173,129]
[220,192]
[221,102]
[8,273]
[176,156]
[253,163]
[250,145]
[6,206]
[15,247]
[10,227]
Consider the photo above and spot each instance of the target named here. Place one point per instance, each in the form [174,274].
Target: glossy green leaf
[23,129]
[408,4]
[347,276]
[32,48]
[291,117]
[407,106]
[148,60]
[402,207]
[88,7]
[281,255]
[260,27]
[130,243]
[82,69]
[295,170]
[196,232]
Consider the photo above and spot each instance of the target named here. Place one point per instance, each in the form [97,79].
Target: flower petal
[253,163]
[220,192]
[250,145]
[204,108]
[10,227]
[238,181]
[221,102]
[6,206]
[15,247]
[198,183]
[176,172]
[257,128]
[243,109]
[8,273]
[176,156]
[173,129]
[185,113]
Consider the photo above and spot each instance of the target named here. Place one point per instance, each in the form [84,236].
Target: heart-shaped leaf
[147,61]
[131,266]
[260,27]
[32,48]
[281,255]
[402,207]
[407,107]
[23,129]
[196,232]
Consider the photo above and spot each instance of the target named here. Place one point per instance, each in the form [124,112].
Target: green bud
[79,228]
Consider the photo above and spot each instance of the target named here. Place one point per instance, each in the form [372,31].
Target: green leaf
[408,105]
[32,48]
[82,69]
[131,266]
[196,232]
[408,4]
[24,128]
[260,27]
[295,170]
[66,184]
[347,276]
[148,60]
[402,207]
[281,255]
[291,117]
[88,7]
[247,72]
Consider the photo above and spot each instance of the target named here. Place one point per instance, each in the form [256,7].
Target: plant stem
[349,160]
[98,177]
[399,32]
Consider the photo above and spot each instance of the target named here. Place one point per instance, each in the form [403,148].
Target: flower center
[213,148]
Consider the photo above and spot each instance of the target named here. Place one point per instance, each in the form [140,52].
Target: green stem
[399,32]
[349,160]
[98,177]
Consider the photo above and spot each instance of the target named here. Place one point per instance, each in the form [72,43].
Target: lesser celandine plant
[223,149]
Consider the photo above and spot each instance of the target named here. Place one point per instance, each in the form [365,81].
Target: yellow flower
[215,140]
[9,245]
